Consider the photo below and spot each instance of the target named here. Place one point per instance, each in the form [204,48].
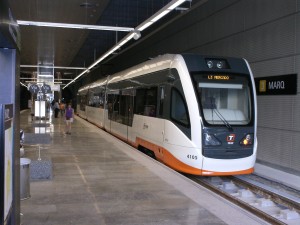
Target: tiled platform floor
[99,180]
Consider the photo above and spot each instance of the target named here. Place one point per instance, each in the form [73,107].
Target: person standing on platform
[69,115]
[56,109]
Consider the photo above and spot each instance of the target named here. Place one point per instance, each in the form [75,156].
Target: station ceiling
[64,47]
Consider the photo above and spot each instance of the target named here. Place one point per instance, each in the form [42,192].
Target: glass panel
[113,106]
[223,101]
[146,101]
[96,97]
[179,111]
[161,100]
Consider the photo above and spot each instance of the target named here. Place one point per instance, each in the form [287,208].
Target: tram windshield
[224,99]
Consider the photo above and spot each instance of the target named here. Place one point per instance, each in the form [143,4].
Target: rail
[268,205]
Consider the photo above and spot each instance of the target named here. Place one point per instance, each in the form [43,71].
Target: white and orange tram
[194,113]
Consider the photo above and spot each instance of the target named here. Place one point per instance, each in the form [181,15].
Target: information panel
[277,85]
[6,160]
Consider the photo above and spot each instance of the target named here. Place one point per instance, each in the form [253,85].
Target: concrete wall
[267,34]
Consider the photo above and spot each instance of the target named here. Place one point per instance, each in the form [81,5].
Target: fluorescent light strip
[32,79]
[164,11]
[161,13]
[129,36]
[177,3]
[98,61]
[122,43]
[144,26]
[42,75]
[53,67]
[73,26]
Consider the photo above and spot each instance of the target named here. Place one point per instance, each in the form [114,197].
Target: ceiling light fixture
[158,15]
[33,78]
[73,26]
[53,67]
[45,75]
[133,34]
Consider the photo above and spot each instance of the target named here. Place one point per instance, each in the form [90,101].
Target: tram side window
[100,99]
[82,102]
[122,114]
[139,101]
[179,112]
[119,106]
[113,106]
[161,100]
[146,101]
[126,104]
[97,99]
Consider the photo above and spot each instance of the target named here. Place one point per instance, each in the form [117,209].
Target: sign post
[6,163]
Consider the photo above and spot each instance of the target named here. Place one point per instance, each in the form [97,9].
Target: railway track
[267,203]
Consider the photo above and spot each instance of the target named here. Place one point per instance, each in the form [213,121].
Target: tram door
[128,99]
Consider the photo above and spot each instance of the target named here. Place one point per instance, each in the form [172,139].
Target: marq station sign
[277,85]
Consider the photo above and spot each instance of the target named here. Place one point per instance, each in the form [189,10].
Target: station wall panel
[297,68]
[259,12]
[277,112]
[274,67]
[278,148]
[267,34]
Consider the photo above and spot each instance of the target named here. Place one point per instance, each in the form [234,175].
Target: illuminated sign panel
[277,85]
[218,77]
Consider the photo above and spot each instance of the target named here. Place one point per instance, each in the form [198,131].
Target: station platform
[97,179]
[288,179]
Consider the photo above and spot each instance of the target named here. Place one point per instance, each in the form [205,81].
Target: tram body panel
[153,130]
[135,129]
[95,115]
[219,167]
[119,130]
[191,100]
[81,112]
[148,132]
[106,121]
[190,135]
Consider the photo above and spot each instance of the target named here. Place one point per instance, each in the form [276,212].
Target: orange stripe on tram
[214,173]
[167,158]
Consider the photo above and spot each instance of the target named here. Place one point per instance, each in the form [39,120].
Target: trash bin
[24,178]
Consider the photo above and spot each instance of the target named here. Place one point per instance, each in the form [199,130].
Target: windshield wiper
[223,119]
[211,105]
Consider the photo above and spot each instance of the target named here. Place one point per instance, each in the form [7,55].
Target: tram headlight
[217,63]
[210,64]
[210,139]
[220,65]
[247,140]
